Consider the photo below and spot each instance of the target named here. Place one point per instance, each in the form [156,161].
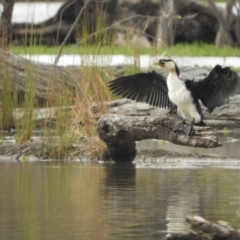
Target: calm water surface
[59,200]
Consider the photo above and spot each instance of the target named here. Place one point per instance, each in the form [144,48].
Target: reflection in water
[56,200]
[136,210]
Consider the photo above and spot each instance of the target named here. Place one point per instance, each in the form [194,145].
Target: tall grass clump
[6,101]
[26,100]
[90,104]
[56,128]
[25,124]
[92,92]
[56,135]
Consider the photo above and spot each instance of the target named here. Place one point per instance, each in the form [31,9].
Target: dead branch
[114,25]
[70,31]
[223,22]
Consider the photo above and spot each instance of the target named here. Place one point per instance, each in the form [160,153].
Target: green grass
[216,1]
[202,49]
[195,49]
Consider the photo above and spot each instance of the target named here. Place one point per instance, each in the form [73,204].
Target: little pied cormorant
[154,89]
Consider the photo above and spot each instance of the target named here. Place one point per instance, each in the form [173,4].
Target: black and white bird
[157,90]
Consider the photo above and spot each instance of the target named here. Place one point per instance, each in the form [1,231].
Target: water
[57,200]
[145,61]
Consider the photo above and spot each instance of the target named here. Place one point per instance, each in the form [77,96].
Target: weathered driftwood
[47,79]
[203,230]
[120,132]
[227,115]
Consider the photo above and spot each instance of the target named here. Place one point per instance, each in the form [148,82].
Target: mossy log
[206,230]
[120,132]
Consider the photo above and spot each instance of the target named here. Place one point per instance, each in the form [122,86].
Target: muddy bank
[37,150]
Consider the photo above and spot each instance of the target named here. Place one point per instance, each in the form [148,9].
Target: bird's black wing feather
[149,87]
[217,87]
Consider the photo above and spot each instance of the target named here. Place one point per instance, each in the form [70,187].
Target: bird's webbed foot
[187,129]
[178,126]
[183,126]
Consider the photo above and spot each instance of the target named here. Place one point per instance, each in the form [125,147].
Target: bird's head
[169,65]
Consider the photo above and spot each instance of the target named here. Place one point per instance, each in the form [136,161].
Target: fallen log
[120,132]
[203,230]
[48,79]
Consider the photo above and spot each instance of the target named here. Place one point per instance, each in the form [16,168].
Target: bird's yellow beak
[158,64]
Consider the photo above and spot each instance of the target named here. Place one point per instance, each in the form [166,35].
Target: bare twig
[70,31]
[60,20]
[103,30]
[178,17]
[117,26]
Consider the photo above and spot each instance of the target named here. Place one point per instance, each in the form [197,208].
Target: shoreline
[36,151]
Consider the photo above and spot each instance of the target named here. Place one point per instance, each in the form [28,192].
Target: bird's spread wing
[149,87]
[217,87]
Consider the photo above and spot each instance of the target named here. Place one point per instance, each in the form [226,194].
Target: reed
[89,105]
[25,124]
[56,132]
[6,98]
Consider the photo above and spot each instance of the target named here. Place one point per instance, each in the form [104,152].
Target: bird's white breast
[181,96]
[177,90]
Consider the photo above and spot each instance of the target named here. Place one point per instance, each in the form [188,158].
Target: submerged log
[120,133]
[203,230]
